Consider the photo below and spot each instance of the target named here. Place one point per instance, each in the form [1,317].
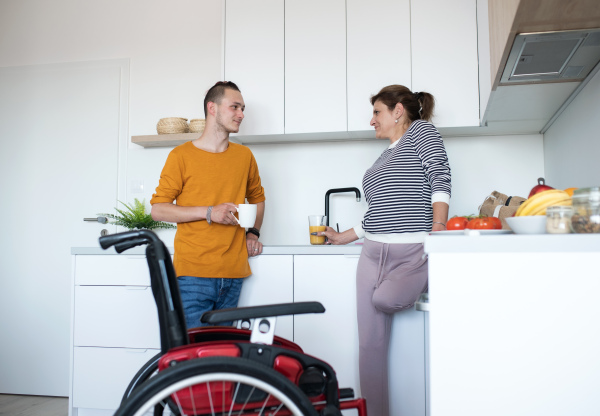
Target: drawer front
[101,375]
[115,316]
[111,270]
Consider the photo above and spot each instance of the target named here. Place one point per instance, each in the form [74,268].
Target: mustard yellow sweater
[194,177]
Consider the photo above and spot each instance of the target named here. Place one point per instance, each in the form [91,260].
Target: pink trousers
[389,278]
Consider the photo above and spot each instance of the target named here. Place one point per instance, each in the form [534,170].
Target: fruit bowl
[529,224]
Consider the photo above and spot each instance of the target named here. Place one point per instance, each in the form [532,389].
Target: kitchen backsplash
[296,177]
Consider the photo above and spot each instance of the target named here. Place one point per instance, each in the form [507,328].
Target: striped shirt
[400,184]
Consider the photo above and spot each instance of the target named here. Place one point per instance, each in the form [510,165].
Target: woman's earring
[396,121]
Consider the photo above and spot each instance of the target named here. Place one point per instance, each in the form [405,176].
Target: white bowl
[532,224]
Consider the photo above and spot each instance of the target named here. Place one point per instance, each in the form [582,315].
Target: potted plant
[135,217]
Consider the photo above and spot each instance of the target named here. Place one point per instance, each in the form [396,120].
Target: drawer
[111,270]
[115,316]
[101,375]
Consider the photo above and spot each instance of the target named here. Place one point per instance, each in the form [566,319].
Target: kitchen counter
[511,243]
[349,249]
[513,324]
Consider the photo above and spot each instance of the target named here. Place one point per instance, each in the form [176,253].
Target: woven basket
[197,125]
[172,125]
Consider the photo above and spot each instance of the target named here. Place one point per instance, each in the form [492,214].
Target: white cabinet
[271,281]
[254,60]
[513,325]
[315,66]
[114,329]
[311,66]
[333,335]
[444,58]
[101,376]
[378,37]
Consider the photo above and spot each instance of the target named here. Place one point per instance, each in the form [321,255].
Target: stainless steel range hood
[563,56]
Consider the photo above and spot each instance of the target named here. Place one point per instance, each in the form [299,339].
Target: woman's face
[383,120]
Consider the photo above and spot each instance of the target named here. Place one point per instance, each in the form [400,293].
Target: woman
[408,192]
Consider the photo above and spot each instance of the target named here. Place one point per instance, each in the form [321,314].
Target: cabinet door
[315,66]
[333,335]
[514,343]
[101,375]
[444,58]
[112,270]
[115,316]
[271,282]
[254,60]
[378,53]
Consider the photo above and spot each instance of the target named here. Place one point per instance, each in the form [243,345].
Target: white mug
[247,215]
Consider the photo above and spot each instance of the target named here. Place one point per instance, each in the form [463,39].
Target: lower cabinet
[114,329]
[115,326]
[271,281]
[333,335]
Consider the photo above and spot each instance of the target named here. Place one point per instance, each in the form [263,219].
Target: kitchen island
[513,324]
[115,329]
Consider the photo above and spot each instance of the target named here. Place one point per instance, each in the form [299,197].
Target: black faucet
[337,191]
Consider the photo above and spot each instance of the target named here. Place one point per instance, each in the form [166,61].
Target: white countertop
[349,249]
[511,243]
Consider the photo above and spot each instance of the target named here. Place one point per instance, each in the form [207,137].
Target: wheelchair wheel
[217,386]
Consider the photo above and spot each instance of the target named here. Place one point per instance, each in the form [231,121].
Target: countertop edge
[348,250]
[513,243]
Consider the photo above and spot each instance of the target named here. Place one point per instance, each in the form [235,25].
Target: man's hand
[223,214]
[253,245]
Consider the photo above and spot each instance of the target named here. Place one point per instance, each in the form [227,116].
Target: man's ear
[211,107]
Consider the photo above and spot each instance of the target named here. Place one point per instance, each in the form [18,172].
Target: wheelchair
[220,370]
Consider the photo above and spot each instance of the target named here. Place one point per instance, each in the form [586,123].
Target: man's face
[230,112]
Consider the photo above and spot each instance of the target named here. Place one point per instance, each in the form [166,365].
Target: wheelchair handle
[128,239]
[251,312]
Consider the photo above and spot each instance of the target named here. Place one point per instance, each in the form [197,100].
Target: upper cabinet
[444,59]
[307,68]
[315,66]
[378,47]
[254,60]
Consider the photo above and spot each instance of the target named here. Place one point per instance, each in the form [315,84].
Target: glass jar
[586,210]
[558,219]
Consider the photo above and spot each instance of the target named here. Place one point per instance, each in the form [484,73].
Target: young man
[207,178]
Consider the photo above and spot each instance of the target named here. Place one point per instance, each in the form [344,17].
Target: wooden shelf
[164,140]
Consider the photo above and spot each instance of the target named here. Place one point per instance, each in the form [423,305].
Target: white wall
[572,144]
[174,51]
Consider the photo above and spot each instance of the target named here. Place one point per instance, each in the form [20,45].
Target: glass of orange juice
[317,223]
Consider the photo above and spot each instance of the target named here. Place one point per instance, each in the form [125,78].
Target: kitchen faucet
[337,191]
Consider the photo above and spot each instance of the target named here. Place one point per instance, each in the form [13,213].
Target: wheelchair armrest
[251,312]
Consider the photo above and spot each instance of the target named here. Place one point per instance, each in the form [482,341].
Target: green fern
[135,217]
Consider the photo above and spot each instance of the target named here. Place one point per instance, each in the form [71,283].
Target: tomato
[457,223]
[497,223]
[484,223]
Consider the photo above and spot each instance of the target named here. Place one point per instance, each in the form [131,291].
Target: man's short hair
[216,93]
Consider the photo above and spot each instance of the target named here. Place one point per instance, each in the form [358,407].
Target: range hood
[563,56]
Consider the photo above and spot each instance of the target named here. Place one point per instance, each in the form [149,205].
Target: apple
[541,186]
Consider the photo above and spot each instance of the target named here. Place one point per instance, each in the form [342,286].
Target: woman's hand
[438,227]
[254,246]
[335,238]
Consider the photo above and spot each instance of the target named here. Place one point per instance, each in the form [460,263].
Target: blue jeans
[203,294]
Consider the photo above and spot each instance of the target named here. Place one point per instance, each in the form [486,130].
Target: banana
[540,201]
[533,201]
[541,209]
